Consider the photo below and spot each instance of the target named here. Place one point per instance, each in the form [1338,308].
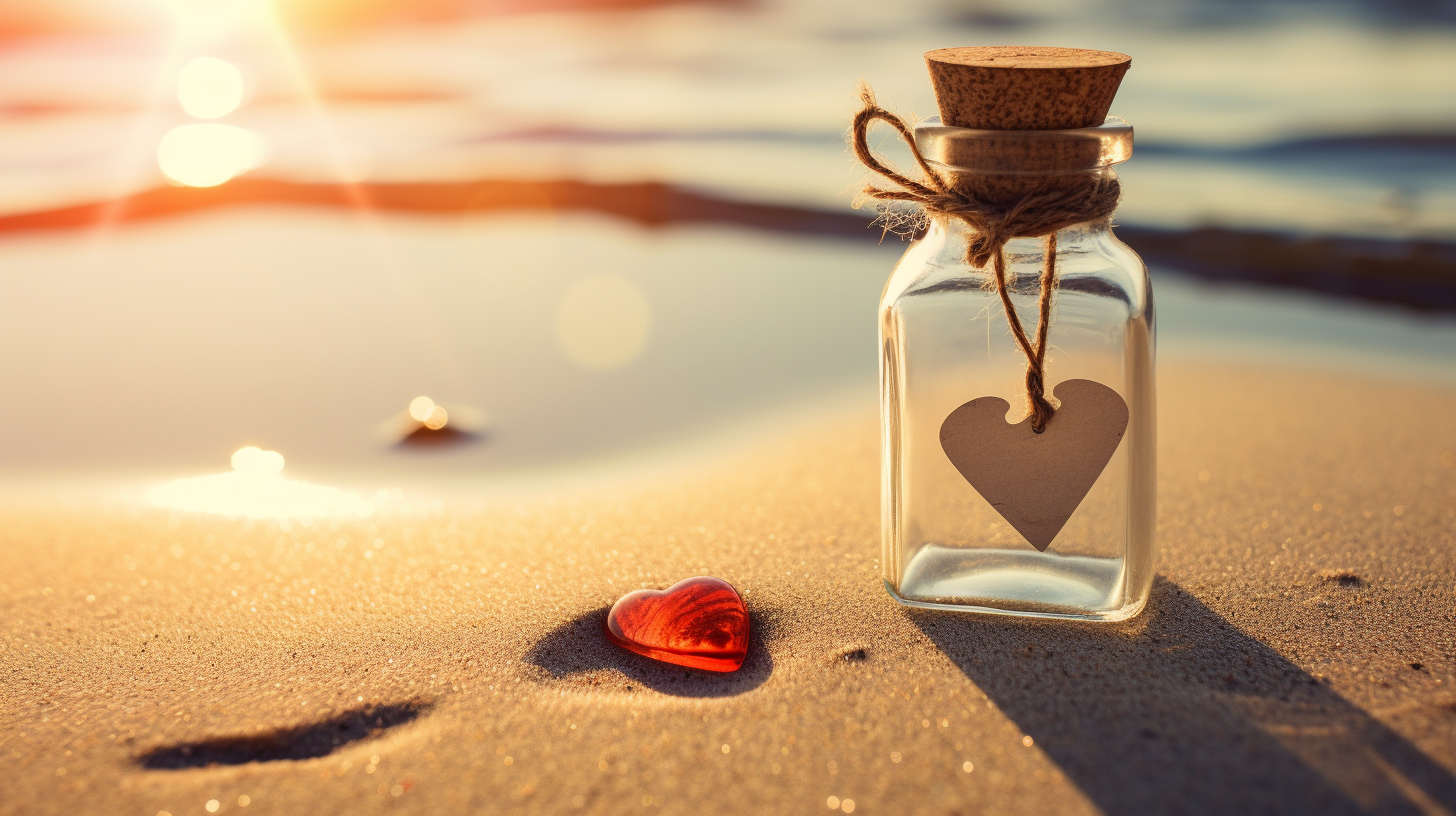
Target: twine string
[1036,213]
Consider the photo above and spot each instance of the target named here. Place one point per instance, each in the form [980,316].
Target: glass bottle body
[945,340]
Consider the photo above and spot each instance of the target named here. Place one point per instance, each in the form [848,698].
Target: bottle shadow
[580,646]
[1179,711]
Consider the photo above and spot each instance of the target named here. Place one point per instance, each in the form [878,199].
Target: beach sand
[1297,655]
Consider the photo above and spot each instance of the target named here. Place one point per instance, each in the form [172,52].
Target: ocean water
[166,344]
[1309,116]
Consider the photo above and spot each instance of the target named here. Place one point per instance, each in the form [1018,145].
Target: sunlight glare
[253,460]
[206,155]
[437,419]
[256,490]
[209,88]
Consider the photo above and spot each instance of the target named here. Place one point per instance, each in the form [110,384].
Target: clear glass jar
[945,340]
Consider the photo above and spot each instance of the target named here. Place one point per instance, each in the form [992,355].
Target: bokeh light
[209,88]
[425,411]
[206,155]
[420,408]
[603,322]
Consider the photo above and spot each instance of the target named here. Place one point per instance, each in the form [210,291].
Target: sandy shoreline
[1293,659]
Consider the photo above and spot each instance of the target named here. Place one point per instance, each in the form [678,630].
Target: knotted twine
[1041,210]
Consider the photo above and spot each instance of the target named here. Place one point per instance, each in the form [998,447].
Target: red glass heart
[700,622]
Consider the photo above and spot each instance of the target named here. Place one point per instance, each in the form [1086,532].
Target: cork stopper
[1010,87]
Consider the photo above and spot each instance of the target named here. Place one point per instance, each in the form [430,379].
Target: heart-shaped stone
[1036,480]
[700,622]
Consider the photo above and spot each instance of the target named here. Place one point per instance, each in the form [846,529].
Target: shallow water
[175,343]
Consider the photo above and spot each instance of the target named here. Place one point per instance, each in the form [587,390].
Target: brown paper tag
[1036,480]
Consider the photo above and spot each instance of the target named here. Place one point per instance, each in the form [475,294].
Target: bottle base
[1021,610]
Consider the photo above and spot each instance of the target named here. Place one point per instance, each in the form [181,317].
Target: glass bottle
[945,340]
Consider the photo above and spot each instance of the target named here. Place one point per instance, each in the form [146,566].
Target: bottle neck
[954,234]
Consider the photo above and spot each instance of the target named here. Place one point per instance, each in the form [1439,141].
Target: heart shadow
[580,646]
[1180,711]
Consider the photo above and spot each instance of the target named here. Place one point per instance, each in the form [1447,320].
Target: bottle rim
[1023,152]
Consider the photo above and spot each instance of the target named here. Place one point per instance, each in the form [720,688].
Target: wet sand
[1297,655]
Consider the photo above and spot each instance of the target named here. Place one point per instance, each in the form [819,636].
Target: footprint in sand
[308,741]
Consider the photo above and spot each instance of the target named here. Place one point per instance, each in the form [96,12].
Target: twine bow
[1034,214]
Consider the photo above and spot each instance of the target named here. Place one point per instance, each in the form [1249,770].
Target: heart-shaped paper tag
[1036,480]
[700,622]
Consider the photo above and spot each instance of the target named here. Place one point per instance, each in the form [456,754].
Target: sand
[1297,655]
